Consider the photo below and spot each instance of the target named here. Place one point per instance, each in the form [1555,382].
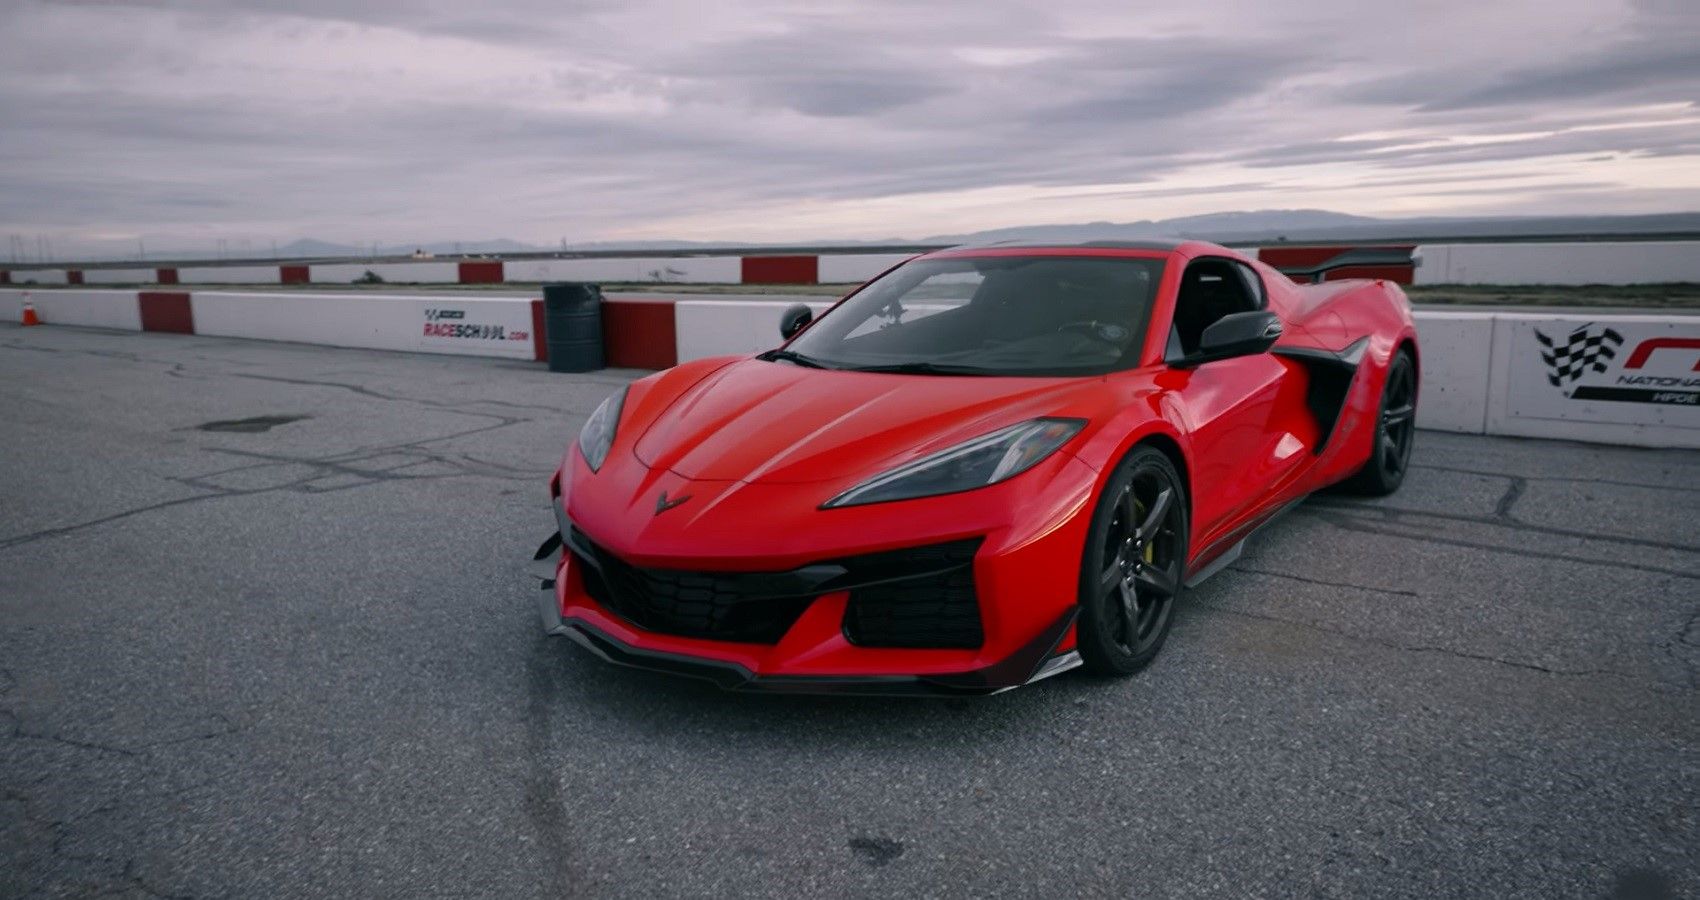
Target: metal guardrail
[828,250]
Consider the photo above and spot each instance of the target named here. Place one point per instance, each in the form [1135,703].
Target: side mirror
[794,318]
[1237,334]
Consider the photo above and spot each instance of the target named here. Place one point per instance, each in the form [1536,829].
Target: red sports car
[984,467]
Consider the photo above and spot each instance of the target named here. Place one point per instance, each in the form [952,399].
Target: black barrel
[572,326]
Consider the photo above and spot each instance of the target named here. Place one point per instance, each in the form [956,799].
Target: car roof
[1150,245]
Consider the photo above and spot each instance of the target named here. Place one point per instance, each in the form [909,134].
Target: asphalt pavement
[265,632]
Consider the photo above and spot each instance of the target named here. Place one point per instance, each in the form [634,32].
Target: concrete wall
[716,327]
[228,275]
[691,270]
[399,273]
[93,309]
[846,269]
[1602,262]
[1631,379]
[1455,350]
[119,276]
[463,325]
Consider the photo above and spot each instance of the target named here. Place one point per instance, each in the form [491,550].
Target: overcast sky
[539,120]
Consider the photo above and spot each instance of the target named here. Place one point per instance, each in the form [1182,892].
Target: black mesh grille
[932,603]
[916,597]
[714,605]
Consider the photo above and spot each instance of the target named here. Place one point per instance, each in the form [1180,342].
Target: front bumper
[1025,581]
[1040,661]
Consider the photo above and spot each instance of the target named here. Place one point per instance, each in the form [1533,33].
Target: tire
[1134,565]
[1395,432]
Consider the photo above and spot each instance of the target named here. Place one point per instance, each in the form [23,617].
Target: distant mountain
[1317,224]
[1209,225]
[310,247]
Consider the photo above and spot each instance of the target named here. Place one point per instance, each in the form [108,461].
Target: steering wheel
[1108,332]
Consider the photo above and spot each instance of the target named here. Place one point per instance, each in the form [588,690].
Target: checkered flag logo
[1586,348]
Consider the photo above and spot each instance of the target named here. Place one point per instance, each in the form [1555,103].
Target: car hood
[766,422]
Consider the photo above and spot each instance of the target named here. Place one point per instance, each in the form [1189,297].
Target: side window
[1210,289]
[1254,285]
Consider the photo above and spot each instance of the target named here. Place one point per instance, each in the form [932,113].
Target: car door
[1233,409]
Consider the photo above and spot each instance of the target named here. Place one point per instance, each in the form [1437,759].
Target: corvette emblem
[662,504]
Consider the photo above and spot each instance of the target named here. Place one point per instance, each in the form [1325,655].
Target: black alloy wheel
[1395,432]
[1134,565]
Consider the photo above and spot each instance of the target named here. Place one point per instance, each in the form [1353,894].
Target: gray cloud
[431,119]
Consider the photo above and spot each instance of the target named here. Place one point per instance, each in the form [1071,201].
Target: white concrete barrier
[716,327]
[1630,379]
[463,325]
[855,269]
[658,269]
[39,276]
[1581,262]
[397,273]
[119,276]
[229,275]
[1455,350]
[94,309]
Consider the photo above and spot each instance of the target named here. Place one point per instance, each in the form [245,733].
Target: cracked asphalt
[296,654]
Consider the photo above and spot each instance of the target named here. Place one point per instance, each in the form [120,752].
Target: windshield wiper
[925,368]
[791,356]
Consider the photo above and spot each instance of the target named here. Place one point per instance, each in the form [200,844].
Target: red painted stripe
[639,334]
[293,274]
[781,270]
[539,340]
[5,277]
[166,311]
[165,276]
[73,276]
[481,272]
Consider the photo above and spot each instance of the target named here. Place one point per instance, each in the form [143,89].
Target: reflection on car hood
[768,422]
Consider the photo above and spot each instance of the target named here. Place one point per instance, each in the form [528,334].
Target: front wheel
[1132,570]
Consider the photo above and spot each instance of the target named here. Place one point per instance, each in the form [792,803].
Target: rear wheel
[1133,566]
[1395,432]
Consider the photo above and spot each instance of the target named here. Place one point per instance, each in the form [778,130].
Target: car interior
[1211,289]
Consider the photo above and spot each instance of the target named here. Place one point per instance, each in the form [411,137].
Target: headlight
[1003,454]
[598,432]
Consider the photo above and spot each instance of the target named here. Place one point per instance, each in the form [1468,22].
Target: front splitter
[1037,660]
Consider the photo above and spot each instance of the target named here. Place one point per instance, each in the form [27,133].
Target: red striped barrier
[639,334]
[168,311]
[165,276]
[481,272]
[780,269]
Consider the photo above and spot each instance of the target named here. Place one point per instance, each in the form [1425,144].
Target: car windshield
[991,315]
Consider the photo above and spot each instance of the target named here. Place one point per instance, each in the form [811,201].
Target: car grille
[920,597]
[937,608]
[716,605]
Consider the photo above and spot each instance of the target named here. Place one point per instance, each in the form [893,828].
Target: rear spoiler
[1352,258]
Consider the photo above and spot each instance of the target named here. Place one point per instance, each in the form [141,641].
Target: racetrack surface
[300,657]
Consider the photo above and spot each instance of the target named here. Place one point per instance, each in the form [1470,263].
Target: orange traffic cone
[29,313]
